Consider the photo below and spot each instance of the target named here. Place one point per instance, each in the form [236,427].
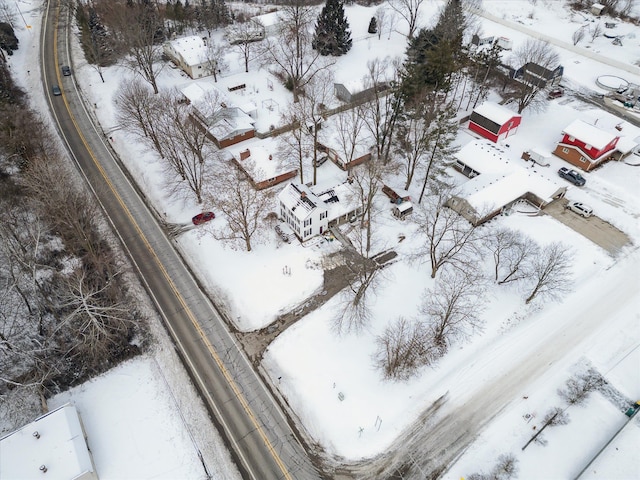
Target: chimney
[245,154]
[270,157]
[303,194]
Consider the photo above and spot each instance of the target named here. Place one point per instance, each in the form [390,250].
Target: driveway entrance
[594,228]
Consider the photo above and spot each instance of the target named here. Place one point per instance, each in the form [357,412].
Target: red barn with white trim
[494,122]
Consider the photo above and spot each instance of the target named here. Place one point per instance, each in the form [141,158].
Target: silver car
[580,208]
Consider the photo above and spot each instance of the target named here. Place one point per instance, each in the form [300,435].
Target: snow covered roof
[192,49]
[54,441]
[268,19]
[208,101]
[265,160]
[300,200]
[495,112]
[589,134]
[500,181]
[338,200]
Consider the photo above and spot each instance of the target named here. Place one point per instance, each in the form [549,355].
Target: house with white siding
[190,54]
[310,212]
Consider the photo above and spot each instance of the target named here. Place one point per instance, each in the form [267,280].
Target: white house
[309,213]
[495,183]
[190,54]
[52,447]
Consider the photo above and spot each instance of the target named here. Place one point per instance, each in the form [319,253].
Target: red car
[203,217]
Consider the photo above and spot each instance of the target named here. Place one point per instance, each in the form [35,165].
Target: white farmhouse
[310,214]
[190,54]
[52,447]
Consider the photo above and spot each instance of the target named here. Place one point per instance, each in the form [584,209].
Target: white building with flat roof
[52,447]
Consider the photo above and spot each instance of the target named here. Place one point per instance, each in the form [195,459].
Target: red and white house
[586,146]
[494,122]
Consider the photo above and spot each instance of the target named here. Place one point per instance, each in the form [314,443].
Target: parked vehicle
[66,71]
[56,90]
[555,93]
[203,217]
[580,208]
[572,176]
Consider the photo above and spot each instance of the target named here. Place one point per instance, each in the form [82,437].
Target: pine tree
[433,55]
[373,26]
[332,36]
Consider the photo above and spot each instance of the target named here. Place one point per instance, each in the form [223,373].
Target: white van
[580,208]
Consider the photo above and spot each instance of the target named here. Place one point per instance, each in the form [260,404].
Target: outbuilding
[494,122]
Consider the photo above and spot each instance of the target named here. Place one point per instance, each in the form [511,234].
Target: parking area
[594,228]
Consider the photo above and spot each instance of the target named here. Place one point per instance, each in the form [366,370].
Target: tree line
[67,313]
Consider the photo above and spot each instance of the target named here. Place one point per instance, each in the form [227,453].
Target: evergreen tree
[373,26]
[434,55]
[332,36]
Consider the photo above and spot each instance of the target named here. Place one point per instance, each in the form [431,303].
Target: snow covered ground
[316,364]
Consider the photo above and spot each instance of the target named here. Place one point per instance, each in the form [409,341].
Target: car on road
[580,208]
[56,90]
[66,71]
[572,176]
[203,218]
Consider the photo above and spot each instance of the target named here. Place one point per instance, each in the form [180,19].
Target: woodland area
[66,312]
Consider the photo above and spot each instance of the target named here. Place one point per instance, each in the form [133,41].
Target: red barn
[586,146]
[494,122]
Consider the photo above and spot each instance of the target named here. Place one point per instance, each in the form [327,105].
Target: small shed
[597,8]
[403,210]
[494,122]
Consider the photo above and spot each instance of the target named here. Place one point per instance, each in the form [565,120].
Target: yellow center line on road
[194,321]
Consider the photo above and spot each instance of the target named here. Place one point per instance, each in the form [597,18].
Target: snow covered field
[520,359]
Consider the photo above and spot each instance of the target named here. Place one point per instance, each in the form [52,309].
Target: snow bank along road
[261,440]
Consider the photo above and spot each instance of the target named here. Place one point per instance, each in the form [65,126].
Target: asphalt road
[259,436]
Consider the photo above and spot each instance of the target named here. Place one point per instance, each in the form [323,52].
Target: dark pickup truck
[572,176]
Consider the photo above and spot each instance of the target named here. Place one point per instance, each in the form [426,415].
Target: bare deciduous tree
[527,88]
[412,138]
[242,206]
[578,35]
[409,10]
[354,312]
[184,140]
[452,308]
[138,28]
[578,388]
[449,238]
[512,253]
[243,36]
[291,51]
[400,349]
[382,111]
[297,143]
[595,31]
[551,271]
[214,56]
[139,111]
[311,110]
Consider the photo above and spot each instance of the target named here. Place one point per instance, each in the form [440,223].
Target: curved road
[260,437]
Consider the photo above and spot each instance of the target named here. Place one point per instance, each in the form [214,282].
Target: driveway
[594,228]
